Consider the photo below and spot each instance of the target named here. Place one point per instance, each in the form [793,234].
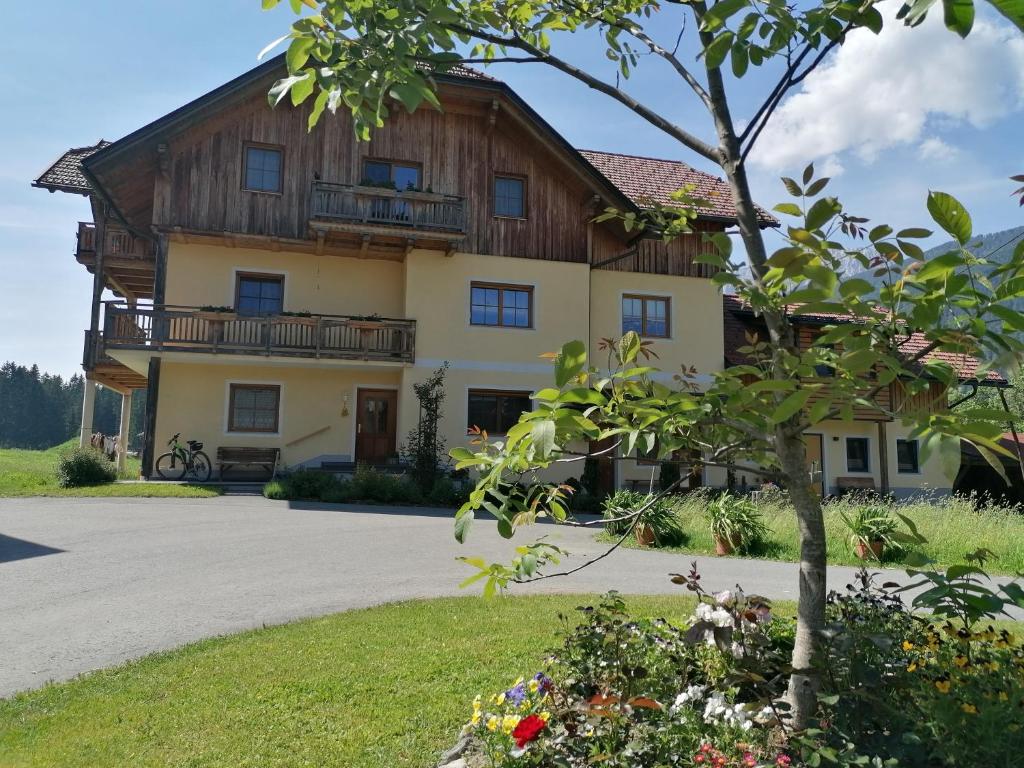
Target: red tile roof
[647,179]
[65,175]
[739,320]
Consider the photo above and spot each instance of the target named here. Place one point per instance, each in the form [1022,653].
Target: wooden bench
[852,484]
[232,456]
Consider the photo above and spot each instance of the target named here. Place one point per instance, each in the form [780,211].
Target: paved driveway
[88,583]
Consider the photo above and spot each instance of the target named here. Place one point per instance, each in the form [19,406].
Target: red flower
[528,730]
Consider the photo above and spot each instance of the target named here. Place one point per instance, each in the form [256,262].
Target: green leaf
[790,209]
[959,16]
[913,232]
[719,13]
[855,287]
[462,523]
[940,266]
[817,186]
[718,49]
[1012,10]
[318,109]
[543,434]
[822,212]
[949,214]
[302,89]
[740,60]
[808,173]
[570,362]
[409,94]
[298,53]
[629,345]
[790,405]
[792,187]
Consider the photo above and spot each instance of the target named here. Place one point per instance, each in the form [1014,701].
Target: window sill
[510,218]
[263,192]
[229,433]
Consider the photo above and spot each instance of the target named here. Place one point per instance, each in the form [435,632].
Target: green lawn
[952,527]
[387,686]
[32,473]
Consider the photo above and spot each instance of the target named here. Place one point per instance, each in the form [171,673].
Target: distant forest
[40,410]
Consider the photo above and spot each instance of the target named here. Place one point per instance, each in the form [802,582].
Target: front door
[376,411]
[815,462]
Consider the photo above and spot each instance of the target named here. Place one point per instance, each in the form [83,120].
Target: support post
[152,394]
[125,431]
[88,410]
[99,246]
[883,459]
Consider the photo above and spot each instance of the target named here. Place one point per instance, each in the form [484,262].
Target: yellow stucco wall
[194,401]
[205,275]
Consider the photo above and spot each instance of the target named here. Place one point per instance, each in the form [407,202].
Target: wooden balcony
[191,329]
[388,208]
[128,260]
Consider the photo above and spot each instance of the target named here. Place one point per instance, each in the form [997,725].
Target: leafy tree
[367,55]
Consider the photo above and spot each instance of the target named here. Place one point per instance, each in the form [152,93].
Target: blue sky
[889,118]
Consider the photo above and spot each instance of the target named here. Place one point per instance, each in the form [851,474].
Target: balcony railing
[119,242]
[375,205]
[192,329]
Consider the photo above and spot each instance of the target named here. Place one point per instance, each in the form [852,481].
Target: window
[262,169]
[647,315]
[496,412]
[907,461]
[259,294]
[384,173]
[510,306]
[857,455]
[510,197]
[254,408]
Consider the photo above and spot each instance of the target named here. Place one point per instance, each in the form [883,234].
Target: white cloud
[935,149]
[882,91]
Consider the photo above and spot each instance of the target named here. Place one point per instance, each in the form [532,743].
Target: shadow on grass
[764,549]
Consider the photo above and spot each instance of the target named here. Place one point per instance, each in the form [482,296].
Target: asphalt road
[89,583]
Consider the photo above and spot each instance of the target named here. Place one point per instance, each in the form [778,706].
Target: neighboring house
[285,289]
[875,449]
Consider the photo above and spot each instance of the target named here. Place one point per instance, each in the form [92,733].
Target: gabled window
[907,461]
[263,167]
[496,411]
[257,294]
[510,306]
[386,173]
[254,408]
[857,457]
[647,315]
[510,197]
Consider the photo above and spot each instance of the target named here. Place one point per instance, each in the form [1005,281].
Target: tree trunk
[789,445]
[804,681]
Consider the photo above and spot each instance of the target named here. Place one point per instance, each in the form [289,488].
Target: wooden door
[376,425]
[605,466]
[816,462]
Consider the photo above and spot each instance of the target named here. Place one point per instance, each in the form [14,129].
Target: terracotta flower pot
[726,546]
[869,552]
[644,535]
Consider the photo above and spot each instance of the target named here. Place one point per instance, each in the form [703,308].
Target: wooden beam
[120,287]
[97,275]
[160,273]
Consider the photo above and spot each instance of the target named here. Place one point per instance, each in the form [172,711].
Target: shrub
[277,490]
[309,484]
[448,492]
[84,466]
[660,516]
[869,524]
[735,519]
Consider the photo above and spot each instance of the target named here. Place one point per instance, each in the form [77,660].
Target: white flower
[693,693]
[723,597]
[720,617]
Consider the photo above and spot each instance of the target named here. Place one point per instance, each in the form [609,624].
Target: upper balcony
[382,214]
[128,260]
[198,330]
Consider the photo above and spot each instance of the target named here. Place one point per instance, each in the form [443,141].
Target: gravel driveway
[89,583]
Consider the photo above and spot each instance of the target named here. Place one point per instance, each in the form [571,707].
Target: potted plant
[366,322]
[219,314]
[872,529]
[659,525]
[735,523]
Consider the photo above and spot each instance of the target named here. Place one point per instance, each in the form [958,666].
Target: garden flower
[942,686]
[691,694]
[508,723]
[528,729]
[492,723]
[516,694]
[969,709]
[783,761]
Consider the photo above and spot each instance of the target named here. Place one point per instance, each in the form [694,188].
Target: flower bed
[897,689]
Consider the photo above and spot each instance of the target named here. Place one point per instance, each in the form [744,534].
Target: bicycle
[179,462]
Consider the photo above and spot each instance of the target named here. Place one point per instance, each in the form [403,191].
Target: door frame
[824,474]
[355,420]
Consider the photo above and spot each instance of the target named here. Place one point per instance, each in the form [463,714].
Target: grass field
[32,473]
[387,686]
[952,527]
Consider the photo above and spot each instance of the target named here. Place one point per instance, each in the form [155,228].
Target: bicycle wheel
[200,469]
[170,466]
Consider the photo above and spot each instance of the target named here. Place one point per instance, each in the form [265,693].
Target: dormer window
[263,165]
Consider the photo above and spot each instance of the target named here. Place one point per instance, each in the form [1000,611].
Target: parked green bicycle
[180,462]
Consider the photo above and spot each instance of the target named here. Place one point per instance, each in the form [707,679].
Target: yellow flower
[492,723]
[509,723]
[534,685]
[501,699]
[970,709]
[912,666]
[960,660]
[545,716]
[942,686]
[907,645]
[477,715]
[1003,696]
[993,665]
